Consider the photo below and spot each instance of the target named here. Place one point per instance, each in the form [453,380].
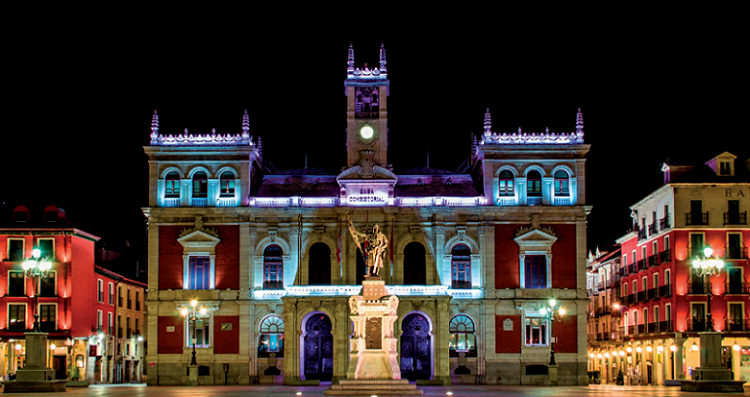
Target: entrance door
[58,364]
[318,348]
[416,360]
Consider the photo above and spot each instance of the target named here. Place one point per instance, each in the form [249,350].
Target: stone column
[736,364]
[245,268]
[658,363]
[293,277]
[440,331]
[678,358]
[442,267]
[291,339]
[340,342]
[547,190]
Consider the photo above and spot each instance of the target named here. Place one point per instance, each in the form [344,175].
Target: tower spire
[382,58]
[245,125]
[154,126]
[350,68]
[579,124]
[487,124]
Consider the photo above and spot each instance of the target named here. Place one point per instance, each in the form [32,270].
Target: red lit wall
[171,342]
[226,342]
[228,258]
[566,332]
[508,341]
[83,296]
[564,257]
[507,269]
[170,258]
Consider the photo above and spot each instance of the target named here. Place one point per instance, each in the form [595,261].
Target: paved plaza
[308,391]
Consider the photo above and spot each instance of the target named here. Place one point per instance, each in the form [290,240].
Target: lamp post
[36,269]
[706,267]
[552,314]
[192,315]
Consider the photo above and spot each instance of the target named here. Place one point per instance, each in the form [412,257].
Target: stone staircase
[370,387]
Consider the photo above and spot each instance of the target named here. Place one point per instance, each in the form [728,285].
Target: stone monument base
[38,386]
[714,386]
[369,387]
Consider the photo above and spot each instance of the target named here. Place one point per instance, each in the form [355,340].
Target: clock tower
[367,113]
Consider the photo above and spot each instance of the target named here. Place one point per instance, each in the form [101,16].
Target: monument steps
[368,387]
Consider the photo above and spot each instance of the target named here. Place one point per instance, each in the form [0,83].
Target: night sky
[81,103]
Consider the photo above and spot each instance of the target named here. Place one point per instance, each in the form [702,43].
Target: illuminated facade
[474,255]
[664,302]
[76,302]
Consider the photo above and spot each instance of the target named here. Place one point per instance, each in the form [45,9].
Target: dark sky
[650,88]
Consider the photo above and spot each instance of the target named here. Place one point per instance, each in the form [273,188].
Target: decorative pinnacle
[154,126]
[259,147]
[579,123]
[245,125]
[382,58]
[487,123]
[350,68]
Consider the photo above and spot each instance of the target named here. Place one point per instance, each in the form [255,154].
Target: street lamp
[552,315]
[706,267]
[36,269]
[192,315]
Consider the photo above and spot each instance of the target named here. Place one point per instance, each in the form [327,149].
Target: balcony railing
[600,337]
[507,200]
[623,271]
[653,260]
[697,325]
[273,284]
[651,328]
[641,328]
[631,329]
[653,229]
[366,115]
[562,201]
[664,326]
[665,291]
[631,299]
[226,202]
[664,223]
[653,293]
[533,201]
[736,288]
[641,296]
[111,330]
[642,265]
[632,268]
[119,332]
[735,252]
[694,252]
[665,256]
[737,325]
[171,202]
[697,288]
[47,326]
[642,234]
[735,218]
[200,202]
[696,218]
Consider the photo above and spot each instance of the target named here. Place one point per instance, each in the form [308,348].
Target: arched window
[534,184]
[200,185]
[271,337]
[462,339]
[226,184]
[415,264]
[319,265]
[21,214]
[562,183]
[273,268]
[505,187]
[172,185]
[461,267]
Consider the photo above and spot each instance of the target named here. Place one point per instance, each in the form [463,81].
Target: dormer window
[226,184]
[725,168]
[172,185]
[51,214]
[200,185]
[21,214]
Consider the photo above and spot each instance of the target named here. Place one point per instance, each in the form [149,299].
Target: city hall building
[473,256]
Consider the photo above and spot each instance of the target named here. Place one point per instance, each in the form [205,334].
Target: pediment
[530,238]
[199,239]
[359,173]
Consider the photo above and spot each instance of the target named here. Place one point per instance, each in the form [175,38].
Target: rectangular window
[656,280]
[734,248]
[656,314]
[47,246]
[16,317]
[119,297]
[461,274]
[47,284]
[130,304]
[172,188]
[200,333]
[226,187]
[111,294]
[110,324]
[535,270]
[667,277]
[137,301]
[696,245]
[99,321]
[100,291]
[127,327]
[506,187]
[15,250]
[200,268]
[48,317]
[536,332]
[625,289]
[725,168]
[16,284]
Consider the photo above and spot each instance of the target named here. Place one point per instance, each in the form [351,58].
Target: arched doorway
[416,357]
[318,348]
[415,264]
[319,265]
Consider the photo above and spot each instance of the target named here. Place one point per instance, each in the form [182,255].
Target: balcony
[562,201]
[653,294]
[200,202]
[735,252]
[737,325]
[47,326]
[641,329]
[694,252]
[665,291]
[653,229]
[642,264]
[367,115]
[664,326]
[651,327]
[641,296]
[642,234]
[507,200]
[696,218]
[533,201]
[699,325]
[735,288]
[630,299]
[600,337]
[664,223]
[623,271]
[631,330]
[119,333]
[735,218]
[632,268]
[171,202]
[226,202]
[273,285]
[665,256]
[697,289]
[111,330]
[653,260]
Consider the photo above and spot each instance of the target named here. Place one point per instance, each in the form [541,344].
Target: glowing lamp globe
[36,253]
[552,302]
[202,311]
[673,348]
[708,251]
[562,311]
[366,132]
[184,311]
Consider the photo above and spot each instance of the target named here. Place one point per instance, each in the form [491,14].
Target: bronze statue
[376,245]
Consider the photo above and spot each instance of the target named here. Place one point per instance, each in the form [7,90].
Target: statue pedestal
[711,376]
[192,375]
[373,353]
[35,376]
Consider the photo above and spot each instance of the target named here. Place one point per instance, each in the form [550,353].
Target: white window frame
[53,257]
[100,287]
[99,320]
[25,314]
[111,323]
[7,283]
[39,283]
[668,312]
[655,279]
[545,334]
[212,268]
[23,248]
[57,313]
[111,295]
[211,329]
[656,313]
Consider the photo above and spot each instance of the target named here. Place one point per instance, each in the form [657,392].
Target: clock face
[366,132]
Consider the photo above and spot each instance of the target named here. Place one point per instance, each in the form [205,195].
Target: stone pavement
[310,391]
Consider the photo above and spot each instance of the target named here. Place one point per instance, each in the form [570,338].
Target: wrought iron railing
[653,260]
[737,325]
[665,256]
[665,291]
[664,223]
[696,218]
[642,265]
[735,218]
[642,234]
[736,288]
[273,284]
[653,229]
[171,202]
[735,252]
[697,288]
[698,325]
[533,200]
[664,326]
